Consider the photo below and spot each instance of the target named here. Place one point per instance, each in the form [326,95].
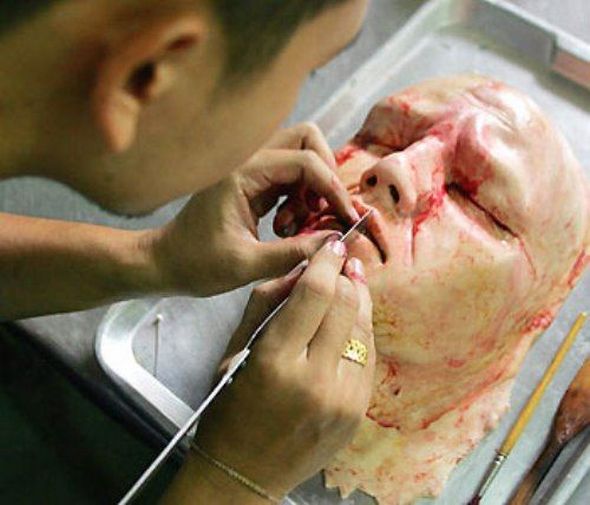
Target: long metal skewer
[163,456]
[157,328]
[237,362]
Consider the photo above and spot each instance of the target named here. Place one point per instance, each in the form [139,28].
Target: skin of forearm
[199,482]
[48,266]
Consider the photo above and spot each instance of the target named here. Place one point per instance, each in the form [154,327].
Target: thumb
[273,259]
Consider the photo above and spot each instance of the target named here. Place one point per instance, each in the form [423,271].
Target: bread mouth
[369,231]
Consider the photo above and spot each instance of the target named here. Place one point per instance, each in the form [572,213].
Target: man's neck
[10,164]
[44,81]
[32,61]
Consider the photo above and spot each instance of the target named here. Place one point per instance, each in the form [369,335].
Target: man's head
[136,103]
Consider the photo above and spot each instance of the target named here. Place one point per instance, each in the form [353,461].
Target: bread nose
[391,182]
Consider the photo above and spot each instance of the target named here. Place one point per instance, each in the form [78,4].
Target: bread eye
[474,209]
[455,187]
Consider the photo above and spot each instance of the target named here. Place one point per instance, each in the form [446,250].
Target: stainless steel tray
[444,37]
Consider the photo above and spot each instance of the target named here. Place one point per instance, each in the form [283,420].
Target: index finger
[304,136]
[296,325]
[288,167]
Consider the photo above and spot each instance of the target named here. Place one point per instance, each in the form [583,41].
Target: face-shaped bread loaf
[481,227]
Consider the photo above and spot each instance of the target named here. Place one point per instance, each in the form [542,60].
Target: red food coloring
[469,185]
[357,277]
[382,422]
[444,131]
[493,376]
[420,476]
[434,202]
[181,43]
[405,106]
[540,321]
[346,153]
[420,218]
[488,345]
[455,363]
[464,407]
[391,372]
[579,266]
[429,420]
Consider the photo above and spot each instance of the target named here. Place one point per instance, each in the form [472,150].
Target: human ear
[137,69]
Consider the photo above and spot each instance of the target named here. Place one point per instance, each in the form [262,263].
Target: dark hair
[256,30]
[14,11]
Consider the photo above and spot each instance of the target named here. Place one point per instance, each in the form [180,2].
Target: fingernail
[338,248]
[335,235]
[354,215]
[357,270]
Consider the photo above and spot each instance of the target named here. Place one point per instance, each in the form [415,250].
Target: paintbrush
[528,411]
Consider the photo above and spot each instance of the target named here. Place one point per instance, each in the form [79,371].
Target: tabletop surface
[70,338]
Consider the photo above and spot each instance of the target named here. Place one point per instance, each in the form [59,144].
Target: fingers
[336,328]
[272,259]
[363,326]
[313,138]
[280,168]
[295,326]
[286,168]
[304,136]
[262,302]
[350,317]
[293,213]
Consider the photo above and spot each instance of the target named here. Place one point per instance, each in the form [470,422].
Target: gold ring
[356,352]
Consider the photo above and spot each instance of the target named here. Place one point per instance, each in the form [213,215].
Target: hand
[298,401]
[213,245]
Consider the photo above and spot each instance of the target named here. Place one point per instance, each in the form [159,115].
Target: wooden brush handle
[531,481]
